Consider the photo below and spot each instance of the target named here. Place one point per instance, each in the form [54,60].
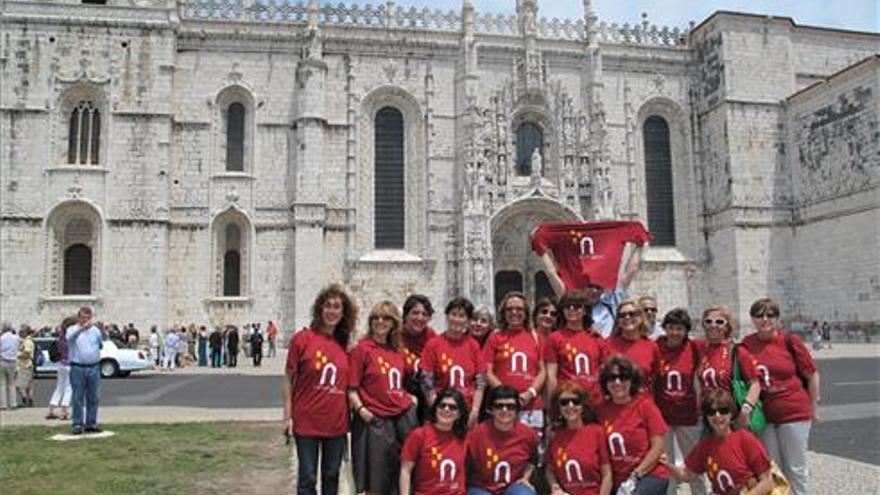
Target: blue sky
[859,15]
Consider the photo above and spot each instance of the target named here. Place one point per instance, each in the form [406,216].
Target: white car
[116,360]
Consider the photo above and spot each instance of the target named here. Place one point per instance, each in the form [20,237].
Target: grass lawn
[191,458]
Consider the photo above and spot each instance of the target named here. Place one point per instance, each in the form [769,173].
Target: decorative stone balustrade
[391,16]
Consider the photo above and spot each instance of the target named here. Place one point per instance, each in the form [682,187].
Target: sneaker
[76,432]
[92,429]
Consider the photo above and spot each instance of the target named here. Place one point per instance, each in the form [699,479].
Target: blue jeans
[216,358]
[652,485]
[307,449]
[86,384]
[513,489]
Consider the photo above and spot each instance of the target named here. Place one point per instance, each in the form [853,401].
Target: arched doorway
[515,266]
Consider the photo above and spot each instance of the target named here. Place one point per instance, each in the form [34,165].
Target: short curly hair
[624,367]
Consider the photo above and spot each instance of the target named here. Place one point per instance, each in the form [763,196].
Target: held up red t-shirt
[642,351]
[513,356]
[587,252]
[674,390]
[629,428]
[729,462]
[439,458]
[579,355]
[454,363]
[377,372]
[784,396]
[498,458]
[320,367]
[576,458]
[716,366]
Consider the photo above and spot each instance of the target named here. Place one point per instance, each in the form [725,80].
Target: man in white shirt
[9,346]
[85,341]
[649,306]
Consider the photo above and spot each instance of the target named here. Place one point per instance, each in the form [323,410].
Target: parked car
[116,360]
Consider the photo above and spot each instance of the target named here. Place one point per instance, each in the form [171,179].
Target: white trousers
[62,393]
[170,357]
[8,396]
[680,440]
[787,445]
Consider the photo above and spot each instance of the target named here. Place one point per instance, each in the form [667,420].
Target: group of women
[541,403]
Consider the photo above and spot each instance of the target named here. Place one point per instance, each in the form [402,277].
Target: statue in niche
[537,166]
[604,209]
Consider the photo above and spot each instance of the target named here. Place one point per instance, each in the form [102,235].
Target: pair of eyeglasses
[623,377]
[573,307]
[570,401]
[627,314]
[504,406]
[718,410]
[768,316]
[548,312]
[448,406]
[718,322]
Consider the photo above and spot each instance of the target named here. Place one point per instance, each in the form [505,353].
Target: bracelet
[747,407]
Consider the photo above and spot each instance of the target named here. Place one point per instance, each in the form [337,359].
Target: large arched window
[235,129]
[528,137]
[658,181]
[543,287]
[77,270]
[507,281]
[388,182]
[232,262]
[84,134]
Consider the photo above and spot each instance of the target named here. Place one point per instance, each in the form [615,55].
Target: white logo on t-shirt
[328,375]
[450,464]
[724,480]
[765,374]
[394,379]
[581,364]
[673,381]
[456,376]
[573,465]
[615,443]
[521,358]
[502,467]
[709,378]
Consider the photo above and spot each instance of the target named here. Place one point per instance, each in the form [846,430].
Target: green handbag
[740,389]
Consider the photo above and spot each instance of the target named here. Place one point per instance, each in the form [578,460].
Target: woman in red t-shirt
[634,428]
[733,459]
[544,316]
[675,392]
[577,460]
[716,361]
[501,451]
[789,388]
[417,313]
[482,325]
[383,412]
[454,359]
[314,390]
[515,357]
[574,352]
[433,456]
[629,338]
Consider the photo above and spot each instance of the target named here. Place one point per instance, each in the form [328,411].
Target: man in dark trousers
[215,342]
[232,346]
[257,346]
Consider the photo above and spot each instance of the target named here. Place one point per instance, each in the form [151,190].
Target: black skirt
[375,451]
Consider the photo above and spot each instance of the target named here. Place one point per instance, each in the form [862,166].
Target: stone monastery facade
[217,161]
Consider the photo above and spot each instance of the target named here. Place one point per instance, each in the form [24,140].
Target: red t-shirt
[716,366]
[514,356]
[320,366]
[643,352]
[439,461]
[629,428]
[576,458]
[587,252]
[729,462]
[413,344]
[454,363]
[784,396]
[377,372]
[579,355]
[674,390]
[497,458]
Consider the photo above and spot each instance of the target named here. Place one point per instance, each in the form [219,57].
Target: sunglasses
[548,312]
[718,322]
[448,406]
[570,401]
[627,314]
[623,377]
[504,406]
[719,410]
[649,310]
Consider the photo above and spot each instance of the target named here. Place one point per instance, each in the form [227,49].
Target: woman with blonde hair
[716,364]
[383,412]
[629,338]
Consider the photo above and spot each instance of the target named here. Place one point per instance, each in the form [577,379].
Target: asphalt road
[851,400]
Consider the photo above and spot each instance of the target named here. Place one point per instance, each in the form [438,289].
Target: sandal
[51,416]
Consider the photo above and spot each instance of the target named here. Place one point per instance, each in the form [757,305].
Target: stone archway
[514,263]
